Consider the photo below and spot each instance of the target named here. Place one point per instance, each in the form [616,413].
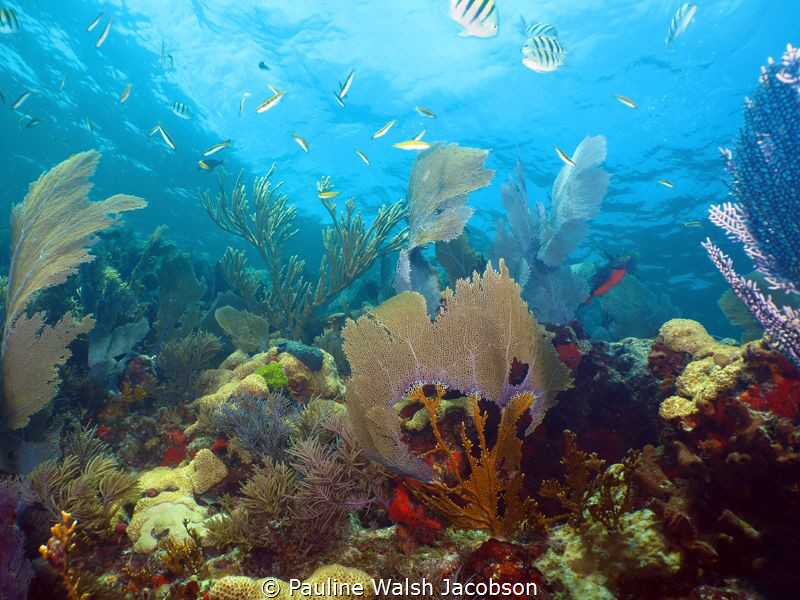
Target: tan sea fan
[52,231]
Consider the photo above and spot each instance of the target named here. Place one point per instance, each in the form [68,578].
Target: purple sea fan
[765,182]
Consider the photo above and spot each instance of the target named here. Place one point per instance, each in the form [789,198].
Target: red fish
[610,275]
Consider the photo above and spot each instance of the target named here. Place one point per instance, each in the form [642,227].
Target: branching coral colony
[289,300]
[485,345]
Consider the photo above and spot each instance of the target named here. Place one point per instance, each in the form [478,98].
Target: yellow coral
[204,471]
[685,335]
[247,588]
[164,513]
[675,407]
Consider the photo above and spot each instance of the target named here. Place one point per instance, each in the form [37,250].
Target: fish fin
[274,89]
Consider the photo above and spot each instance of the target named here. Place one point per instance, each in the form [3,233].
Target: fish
[345,87]
[382,131]
[94,23]
[208,165]
[263,66]
[300,142]
[625,100]
[241,102]
[166,59]
[425,112]
[165,136]
[153,130]
[338,99]
[363,157]
[478,18]
[63,82]
[543,54]
[680,22]
[103,35]
[567,160]
[20,100]
[326,195]
[534,29]
[9,23]
[666,183]
[33,122]
[126,92]
[610,275]
[692,224]
[217,147]
[271,101]
[180,110]
[418,137]
[89,125]
[412,145]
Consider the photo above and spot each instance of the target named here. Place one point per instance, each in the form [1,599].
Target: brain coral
[204,471]
[164,513]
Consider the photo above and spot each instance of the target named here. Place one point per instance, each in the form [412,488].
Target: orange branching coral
[57,553]
[490,496]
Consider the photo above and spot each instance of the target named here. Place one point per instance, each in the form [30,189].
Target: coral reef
[204,471]
[168,513]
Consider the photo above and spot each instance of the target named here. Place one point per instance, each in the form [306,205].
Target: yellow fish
[425,112]
[20,100]
[300,142]
[412,145]
[165,136]
[625,100]
[271,101]
[203,165]
[567,160]
[103,35]
[325,195]
[363,157]
[665,183]
[94,23]
[125,93]
[382,131]
[217,147]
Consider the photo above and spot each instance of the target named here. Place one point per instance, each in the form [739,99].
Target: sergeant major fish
[8,21]
[181,110]
[478,18]
[543,54]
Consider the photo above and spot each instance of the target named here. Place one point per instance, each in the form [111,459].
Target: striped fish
[478,18]
[680,21]
[543,54]
[181,110]
[103,35]
[534,29]
[8,21]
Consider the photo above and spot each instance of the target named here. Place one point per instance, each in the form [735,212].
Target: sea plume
[52,231]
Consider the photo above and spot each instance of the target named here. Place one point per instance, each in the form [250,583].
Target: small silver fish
[89,125]
[8,21]
[217,147]
[563,156]
[241,102]
[666,183]
[382,131]
[94,23]
[338,99]
[345,87]
[272,101]
[425,112]
[165,136]
[300,142]
[20,100]
[63,82]
[33,122]
[126,92]
[103,35]
[418,137]
[680,22]
[363,157]
[625,100]
[181,110]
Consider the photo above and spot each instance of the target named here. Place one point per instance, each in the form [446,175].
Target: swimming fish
[680,22]
[610,275]
[326,195]
[94,23]
[20,100]
[63,82]
[412,145]
[666,183]
[241,102]
[33,122]
[103,35]
[534,29]
[345,87]
[567,160]
[8,21]
[89,125]
[692,224]
[300,142]
[363,157]
[271,101]
[338,99]
[478,18]
[165,136]
[153,130]
[208,165]
[543,54]
[263,66]
[382,131]
[418,137]
[625,100]
[181,110]
[217,147]
[126,92]
[425,112]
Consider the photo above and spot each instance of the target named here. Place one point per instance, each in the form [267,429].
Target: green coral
[275,377]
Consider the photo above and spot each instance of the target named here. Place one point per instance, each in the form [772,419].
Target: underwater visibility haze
[424,299]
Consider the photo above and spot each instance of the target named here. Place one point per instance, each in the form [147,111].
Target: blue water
[406,54]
